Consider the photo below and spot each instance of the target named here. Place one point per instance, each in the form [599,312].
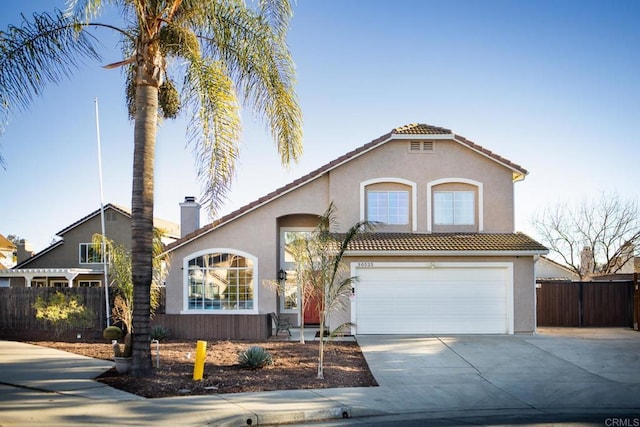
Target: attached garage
[433,298]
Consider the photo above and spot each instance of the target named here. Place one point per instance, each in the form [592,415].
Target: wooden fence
[585,303]
[17,312]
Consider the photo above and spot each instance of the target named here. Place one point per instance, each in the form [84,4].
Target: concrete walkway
[560,371]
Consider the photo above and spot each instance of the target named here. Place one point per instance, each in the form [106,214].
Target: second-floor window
[454,207]
[89,254]
[388,207]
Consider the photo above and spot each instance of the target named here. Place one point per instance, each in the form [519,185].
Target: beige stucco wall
[450,160]
[257,232]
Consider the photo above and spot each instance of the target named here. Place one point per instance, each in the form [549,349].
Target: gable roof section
[443,243]
[93,215]
[39,254]
[558,265]
[410,131]
[172,229]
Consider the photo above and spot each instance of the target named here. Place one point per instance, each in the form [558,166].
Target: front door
[312,311]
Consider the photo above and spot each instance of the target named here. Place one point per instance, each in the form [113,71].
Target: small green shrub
[63,312]
[159,332]
[112,333]
[254,357]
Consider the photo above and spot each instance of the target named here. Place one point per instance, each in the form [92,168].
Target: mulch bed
[295,365]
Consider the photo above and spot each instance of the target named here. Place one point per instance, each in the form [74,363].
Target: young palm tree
[322,272]
[119,258]
[222,52]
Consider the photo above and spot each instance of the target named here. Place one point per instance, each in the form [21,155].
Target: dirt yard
[295,366]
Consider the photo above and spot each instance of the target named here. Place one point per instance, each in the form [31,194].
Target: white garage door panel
[419,300]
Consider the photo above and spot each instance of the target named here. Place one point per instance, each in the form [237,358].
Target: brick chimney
[189,216]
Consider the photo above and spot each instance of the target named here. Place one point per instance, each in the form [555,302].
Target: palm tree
[322,272]
[119,258]
[224,54]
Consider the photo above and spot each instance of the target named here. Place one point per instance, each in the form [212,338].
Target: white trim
[414,196]
[454,180]
[185,282]
[510,326]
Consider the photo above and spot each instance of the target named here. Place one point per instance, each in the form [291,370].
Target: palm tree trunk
[142,226]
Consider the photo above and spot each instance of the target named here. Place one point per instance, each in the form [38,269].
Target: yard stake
[201,355]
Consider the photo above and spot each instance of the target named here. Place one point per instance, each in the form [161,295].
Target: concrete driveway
[556,369]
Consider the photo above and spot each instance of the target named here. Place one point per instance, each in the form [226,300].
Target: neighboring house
[548,269]
[7,251]
[446,260]
[71,261]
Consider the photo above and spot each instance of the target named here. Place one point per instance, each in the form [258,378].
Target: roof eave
[385,139]
[446,253]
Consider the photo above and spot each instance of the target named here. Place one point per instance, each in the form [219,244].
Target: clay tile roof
[442,242]
[421,129]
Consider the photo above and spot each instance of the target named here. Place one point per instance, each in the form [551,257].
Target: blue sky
[551,85]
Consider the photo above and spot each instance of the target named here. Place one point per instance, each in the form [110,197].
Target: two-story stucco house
[71,261]
[445,260]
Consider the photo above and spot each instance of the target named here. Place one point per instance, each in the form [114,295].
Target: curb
[290,417]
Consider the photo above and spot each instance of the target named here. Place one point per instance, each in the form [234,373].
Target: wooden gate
[585,303]
[636,302]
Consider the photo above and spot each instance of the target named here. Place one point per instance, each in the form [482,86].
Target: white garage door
[443,298]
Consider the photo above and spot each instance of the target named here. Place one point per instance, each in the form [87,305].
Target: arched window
[455,204]
[389,201]
[220,280]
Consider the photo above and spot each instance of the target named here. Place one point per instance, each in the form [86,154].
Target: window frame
[85,249]
[213,311]
[457,213]
[413,211]
[388,214]
[59,283]
[479,203]
[89,284]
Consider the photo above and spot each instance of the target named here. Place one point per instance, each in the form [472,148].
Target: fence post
[636,301]
[580,304]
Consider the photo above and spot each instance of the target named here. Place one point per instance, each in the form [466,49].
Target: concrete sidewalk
[453,376]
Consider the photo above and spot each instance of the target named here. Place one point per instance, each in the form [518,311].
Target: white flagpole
[104,234]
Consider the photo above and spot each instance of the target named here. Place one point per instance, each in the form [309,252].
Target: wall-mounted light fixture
[282,276]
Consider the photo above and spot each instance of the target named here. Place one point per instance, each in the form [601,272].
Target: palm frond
[278,13]
[43,51]
[259,61]
[84,10]
[214,130]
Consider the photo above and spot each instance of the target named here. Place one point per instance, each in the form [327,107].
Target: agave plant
[254,357]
